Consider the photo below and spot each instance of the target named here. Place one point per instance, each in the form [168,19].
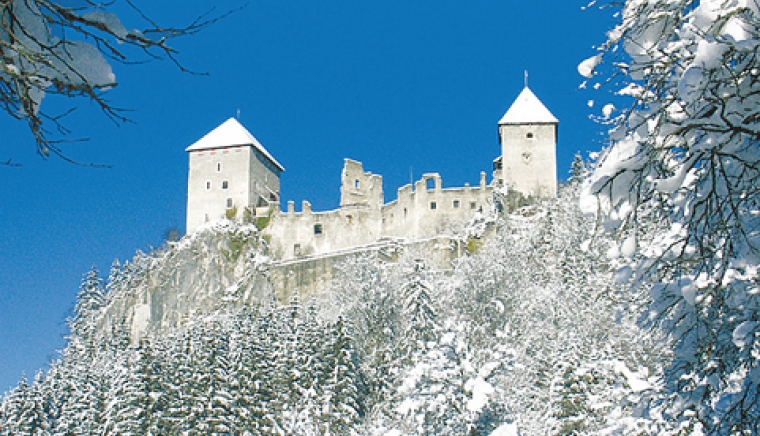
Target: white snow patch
[507,429]
[480,390]
[742,331]
[586,68]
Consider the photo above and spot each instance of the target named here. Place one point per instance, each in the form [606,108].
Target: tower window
[356,183]
[456,204]
[317,229]
[529,135]
[225,184]
[208,184]
[229,203]
[433,205]
[219,167]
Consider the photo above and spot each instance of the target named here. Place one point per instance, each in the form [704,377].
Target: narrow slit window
[208,185]
[225,184]
[219,167]
[229,203]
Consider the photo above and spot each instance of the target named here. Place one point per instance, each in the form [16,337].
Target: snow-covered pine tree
[419,311]
[24,412]
[90,299]
[342,391]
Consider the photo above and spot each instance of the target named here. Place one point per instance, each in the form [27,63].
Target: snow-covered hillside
[527,334]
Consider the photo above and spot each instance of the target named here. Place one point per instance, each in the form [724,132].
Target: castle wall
[423,213]
[207,198]
[247,178]
[305,233]
[529,158]
[308,276]
[418,213]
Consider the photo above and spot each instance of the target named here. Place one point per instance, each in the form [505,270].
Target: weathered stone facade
[230,170]
[363,218]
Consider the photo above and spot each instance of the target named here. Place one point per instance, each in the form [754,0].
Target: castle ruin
[231,174]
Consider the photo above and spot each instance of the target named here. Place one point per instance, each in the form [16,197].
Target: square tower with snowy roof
[528,136]
[229,170]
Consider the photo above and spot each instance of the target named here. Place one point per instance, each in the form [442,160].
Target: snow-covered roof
[231,134]
[527,108]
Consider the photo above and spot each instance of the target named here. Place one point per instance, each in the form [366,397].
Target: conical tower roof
[527,109]
[231,134]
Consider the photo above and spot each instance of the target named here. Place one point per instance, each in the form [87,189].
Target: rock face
[219,267]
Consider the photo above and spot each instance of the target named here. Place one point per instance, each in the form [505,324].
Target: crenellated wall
[419,212]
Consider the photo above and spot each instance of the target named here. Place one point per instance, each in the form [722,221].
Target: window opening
[219,167]
[208,184]
[473,205]
[225,184]
[317,229]
[297,250]
[349,219]
[229,203]
[456,204]
[433,205]
[356,183]
[529,135]
[430,184]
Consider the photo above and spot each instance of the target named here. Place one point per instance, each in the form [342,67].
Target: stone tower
[528,137]
[229,170]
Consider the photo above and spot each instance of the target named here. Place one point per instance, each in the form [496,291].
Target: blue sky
[403,86]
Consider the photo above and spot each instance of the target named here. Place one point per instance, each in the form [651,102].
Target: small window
[219,167]
[272,197]
[317,229]
[297,250]
[473,205]
[208,185]
[456,204]
[225,184]
[356,184]
[349,219]
[229,203]
[433,205]
[405,212]
[529,135]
